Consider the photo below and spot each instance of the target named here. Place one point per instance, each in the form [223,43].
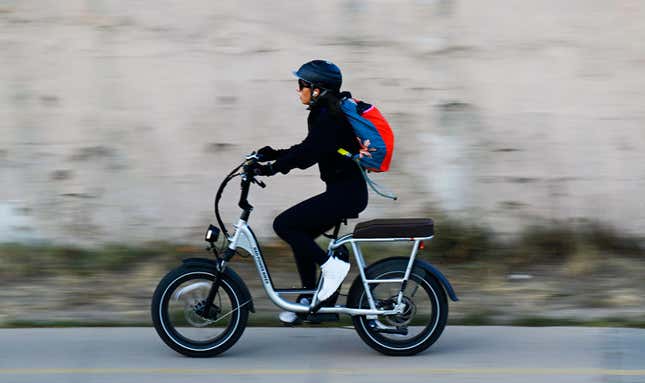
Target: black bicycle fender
[429,268]
[230,274]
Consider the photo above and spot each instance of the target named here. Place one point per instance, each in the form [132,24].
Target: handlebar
[248,173]
[248,176]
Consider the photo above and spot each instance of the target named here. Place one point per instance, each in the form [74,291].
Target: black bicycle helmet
[321,74]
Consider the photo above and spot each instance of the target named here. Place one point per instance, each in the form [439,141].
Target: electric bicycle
[398,305]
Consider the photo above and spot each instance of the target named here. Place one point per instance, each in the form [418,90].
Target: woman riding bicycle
[345,196]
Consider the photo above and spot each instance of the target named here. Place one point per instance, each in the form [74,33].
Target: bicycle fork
[205,311]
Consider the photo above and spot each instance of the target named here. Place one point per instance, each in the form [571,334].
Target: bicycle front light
[212,234]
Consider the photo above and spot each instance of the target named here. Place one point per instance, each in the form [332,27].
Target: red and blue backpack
[373,133]
[374,136]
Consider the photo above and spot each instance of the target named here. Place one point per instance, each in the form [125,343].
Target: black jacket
[326,134]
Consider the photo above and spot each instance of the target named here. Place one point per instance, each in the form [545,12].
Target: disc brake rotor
[195,319]
[193,298]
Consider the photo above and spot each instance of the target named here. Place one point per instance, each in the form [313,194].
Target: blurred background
[519,127]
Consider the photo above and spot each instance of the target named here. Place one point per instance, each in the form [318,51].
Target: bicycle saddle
[395,228]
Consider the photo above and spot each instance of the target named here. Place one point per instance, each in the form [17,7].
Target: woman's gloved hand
[263,170]
[267,153]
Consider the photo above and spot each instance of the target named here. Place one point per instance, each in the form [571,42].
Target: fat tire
[441,304]
[175,276]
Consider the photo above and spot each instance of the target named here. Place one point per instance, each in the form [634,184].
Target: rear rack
[349,238]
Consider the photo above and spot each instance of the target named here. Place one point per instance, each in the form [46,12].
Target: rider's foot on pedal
[290,318]
[333,273]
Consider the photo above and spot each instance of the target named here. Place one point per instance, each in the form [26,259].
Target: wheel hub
[404,318]
[196,315]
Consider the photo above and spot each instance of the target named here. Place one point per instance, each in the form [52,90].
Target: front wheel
[183,326]
[423,319]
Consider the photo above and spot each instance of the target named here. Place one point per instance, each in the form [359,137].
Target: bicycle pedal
[322,317]
[399,330]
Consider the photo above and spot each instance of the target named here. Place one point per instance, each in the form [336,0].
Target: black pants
[304,222]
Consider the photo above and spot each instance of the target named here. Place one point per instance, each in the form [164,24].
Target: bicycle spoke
[230,312]
[416,287]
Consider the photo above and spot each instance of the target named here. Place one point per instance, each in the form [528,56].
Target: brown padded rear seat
[395,228]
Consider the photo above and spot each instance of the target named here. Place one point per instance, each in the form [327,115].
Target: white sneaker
[334,272]
[290,318]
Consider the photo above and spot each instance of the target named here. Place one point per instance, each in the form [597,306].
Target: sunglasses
[303,84]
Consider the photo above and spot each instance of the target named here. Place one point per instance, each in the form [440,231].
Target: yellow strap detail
[344,152]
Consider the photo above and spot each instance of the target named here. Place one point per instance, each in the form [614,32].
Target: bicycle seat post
[336,230]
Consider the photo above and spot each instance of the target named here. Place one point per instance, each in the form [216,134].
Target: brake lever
[252,156]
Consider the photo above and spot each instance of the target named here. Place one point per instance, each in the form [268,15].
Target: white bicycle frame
[245,239]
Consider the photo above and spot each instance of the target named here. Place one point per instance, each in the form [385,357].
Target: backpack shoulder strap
[383,192]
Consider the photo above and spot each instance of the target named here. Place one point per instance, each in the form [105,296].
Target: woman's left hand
[267,153]
[264,170]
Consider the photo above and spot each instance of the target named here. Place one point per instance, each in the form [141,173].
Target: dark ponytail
[330,100]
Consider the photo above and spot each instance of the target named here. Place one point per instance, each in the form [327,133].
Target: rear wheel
[423,319]
[179,318]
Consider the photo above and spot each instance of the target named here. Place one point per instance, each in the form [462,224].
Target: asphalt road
[462,354]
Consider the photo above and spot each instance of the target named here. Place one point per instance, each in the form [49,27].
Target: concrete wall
[119,119]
